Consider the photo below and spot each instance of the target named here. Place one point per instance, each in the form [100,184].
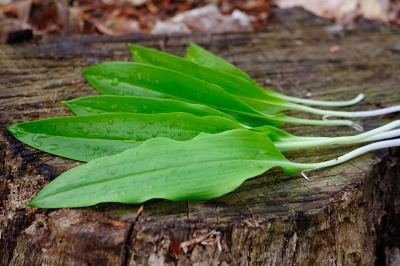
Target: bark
[344,215]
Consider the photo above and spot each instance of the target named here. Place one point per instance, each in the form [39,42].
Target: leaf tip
[12,129]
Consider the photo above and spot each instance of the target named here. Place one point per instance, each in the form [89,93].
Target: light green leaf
[203,57]
[205,167]
[132,104]
[85,138]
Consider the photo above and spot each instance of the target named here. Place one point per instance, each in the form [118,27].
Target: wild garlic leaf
[249,93]
[230,83]
[85,138]
[282,139]
[205,167]
[122,78]
[201,56]
[131,104]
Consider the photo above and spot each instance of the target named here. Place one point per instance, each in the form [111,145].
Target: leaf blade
[232,84]
[170,84]
[201,56]
[85,138]
[152,171]
[132,104]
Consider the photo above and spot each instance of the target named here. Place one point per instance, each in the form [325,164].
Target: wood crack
[216,210]
[127,245]
[129,240]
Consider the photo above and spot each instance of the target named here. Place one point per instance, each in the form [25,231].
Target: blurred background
[26,19]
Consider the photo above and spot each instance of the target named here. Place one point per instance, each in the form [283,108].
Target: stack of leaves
[180,128]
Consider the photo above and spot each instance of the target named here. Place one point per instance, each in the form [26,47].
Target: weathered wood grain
[332,219]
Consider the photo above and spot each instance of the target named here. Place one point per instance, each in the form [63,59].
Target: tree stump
[344,215]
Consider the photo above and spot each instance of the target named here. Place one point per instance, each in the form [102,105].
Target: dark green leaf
[203,57]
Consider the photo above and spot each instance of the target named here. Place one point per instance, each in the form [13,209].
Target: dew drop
[121,193]
[114,106]
[157,81]
[52,147]
[38,144]
[35,138]
[19,131]
[113,172]
[139,76]
[108,130]
[91,152]
[96,148]
[115,82]
[87,145]
[89,109]
[110,121]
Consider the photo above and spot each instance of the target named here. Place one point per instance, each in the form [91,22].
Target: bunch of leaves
[179,128]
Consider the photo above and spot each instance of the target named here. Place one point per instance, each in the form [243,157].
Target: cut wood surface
[335,218]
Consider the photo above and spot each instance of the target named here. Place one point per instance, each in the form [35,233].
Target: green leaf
[92,105]
[132,104]
[203,57]
[232,84]
[205,167]
[123,78]
[85,138]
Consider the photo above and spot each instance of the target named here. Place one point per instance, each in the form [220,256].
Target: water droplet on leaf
[38,144]
[35,138]
[115,82]
[52,147]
